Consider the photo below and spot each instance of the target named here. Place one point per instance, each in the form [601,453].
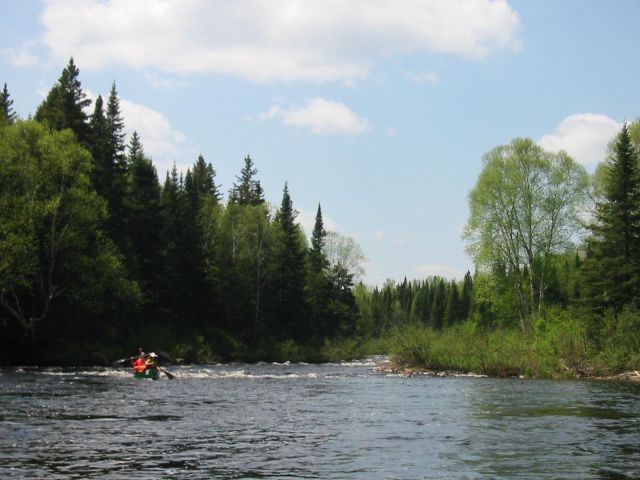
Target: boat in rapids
[151,372]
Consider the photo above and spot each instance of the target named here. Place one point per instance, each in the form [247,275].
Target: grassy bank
[559,344]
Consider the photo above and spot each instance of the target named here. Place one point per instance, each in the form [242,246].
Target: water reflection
[555,429]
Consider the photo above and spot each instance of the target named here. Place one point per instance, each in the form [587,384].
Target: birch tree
[525,207]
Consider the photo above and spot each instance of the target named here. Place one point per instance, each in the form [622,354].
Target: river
[332,421]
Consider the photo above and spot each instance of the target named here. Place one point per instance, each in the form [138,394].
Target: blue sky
[379,110]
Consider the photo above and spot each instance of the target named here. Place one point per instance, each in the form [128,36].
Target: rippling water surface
[312,421]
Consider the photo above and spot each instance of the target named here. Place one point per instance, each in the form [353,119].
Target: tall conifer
[7,115]
[612,266]
[65,105]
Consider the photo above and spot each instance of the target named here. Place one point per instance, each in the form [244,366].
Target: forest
[98,257]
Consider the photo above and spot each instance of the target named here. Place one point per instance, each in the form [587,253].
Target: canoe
[151,373]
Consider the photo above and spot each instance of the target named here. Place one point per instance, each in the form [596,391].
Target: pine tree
[99,147]
[612,265]
[7,115]
[451,305]
[204,185]
[318,259]
[186,288]
[287,308]
[144,217]
[466,297]
[247,191]
[65,105]
[323,323]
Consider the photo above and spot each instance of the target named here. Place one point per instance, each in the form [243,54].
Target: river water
[333,421]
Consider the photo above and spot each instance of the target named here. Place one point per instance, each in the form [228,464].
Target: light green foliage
[620,341]
[50,234]
[523,208]
[344,251]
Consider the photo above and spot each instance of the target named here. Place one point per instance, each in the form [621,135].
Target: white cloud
[444,271]
[263,40]
[23,56]
[584,136]
[425,77]
[161,141]
[321,116]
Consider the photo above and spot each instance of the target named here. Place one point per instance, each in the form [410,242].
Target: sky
[379,110]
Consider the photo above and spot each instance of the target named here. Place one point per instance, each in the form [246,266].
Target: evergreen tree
[466,297]
[438,304]
[318,259]
[7,115]
[65,104]
[115,177]
[115,127]
[247,191]
[287,316]
[319,285]
[186,288]
[204,185]
[452,305]
[144,217]
[99,147]
[612,266]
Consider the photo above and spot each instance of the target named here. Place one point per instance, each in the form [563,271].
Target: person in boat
[140,363]
[151,361]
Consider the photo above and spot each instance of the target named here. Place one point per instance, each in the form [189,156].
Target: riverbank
[558,348]
[392,368]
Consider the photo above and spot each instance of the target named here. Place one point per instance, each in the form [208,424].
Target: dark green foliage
[144,219]
[248,190]
[287,312]
[65,103]
[433,302]
[7,114]
[612,264]
[57,258]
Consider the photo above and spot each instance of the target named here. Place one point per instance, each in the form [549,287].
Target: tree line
[96,254]
[99,256]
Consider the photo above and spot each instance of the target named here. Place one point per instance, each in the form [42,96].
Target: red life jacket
[139,365]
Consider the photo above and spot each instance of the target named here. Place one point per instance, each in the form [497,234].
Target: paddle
[169,375]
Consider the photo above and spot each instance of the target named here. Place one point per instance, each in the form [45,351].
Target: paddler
[140,363]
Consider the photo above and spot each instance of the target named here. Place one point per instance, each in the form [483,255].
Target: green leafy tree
[612,266]
[7,114]
[50,235]
[524,207]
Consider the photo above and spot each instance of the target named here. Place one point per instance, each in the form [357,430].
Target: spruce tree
[203,178]
[466,297]
[287,307]
[612,265]
[65,104]
[99,147]
[319,283]
[248,190]
[144,217]
[7,115]
[451,305]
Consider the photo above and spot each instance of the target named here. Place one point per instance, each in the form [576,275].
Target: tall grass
[557,347]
